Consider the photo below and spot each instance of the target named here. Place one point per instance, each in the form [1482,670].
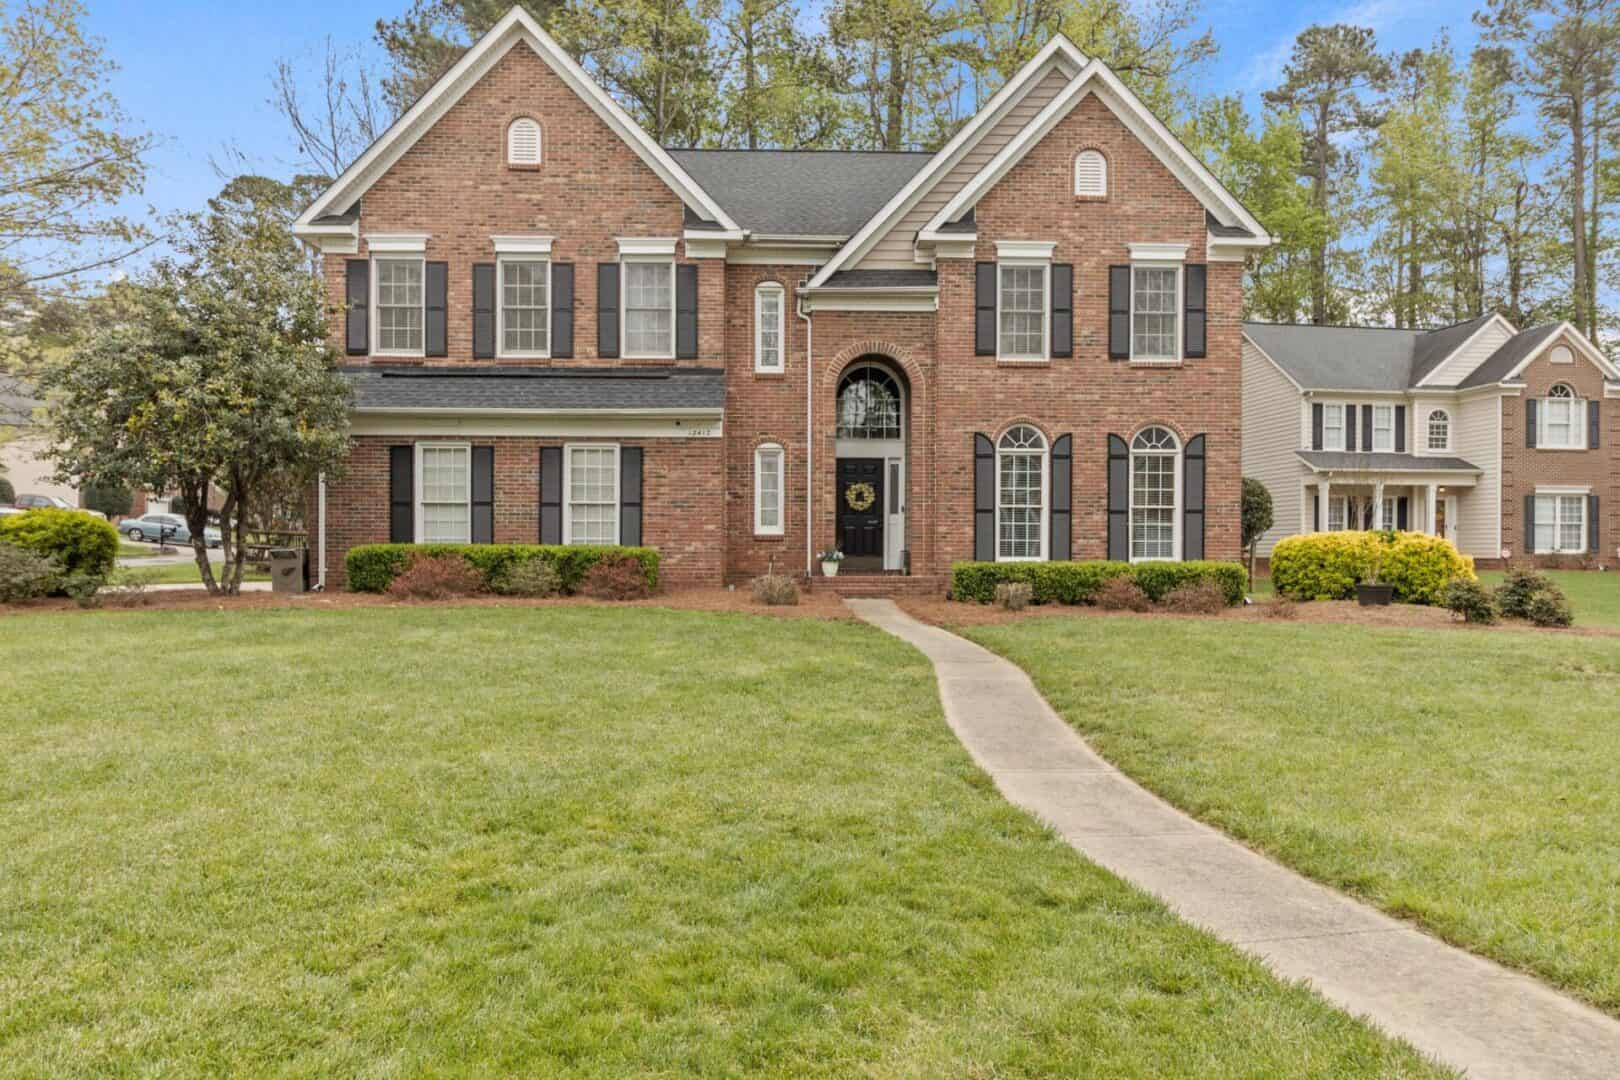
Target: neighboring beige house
[23,445]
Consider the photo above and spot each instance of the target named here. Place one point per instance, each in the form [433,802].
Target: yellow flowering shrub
[1328,566]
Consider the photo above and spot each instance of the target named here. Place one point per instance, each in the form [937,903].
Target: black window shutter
[1594,426]
[686,311]
[984,309]
[1119,499]
[607,310]
[630,495]
[1316,426]
[1401,512]
[551,494]
[1062,309]
[1197,321]
[1530,422]
[984,499]
[1316,513]
[1350,427]
[1366,428]
[357,295]
[483,310]
[1400,429]
[483,494]
[1529,524]
[562,310]
[1593,534]
[436,298]
[1062,497]
[1192,514]
[1119,313]
[401,494]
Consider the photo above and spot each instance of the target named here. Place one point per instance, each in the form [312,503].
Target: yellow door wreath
[860,497]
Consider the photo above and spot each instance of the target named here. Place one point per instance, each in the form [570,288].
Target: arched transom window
[1439,430]
[1021,495]
[869,405]
[523,142]
[1155,494]
[1090,173]
[1562,413]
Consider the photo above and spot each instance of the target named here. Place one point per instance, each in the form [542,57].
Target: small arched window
[768,331]
[1439,430]
[1021,495]
[523,142]
[1155,495]
[1090,173]
[1561,354]
[1562,416]
[869,405]
[768,489]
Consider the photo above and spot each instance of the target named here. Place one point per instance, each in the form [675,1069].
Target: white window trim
[501,351]
[1158,252]
[657,258]
[396,243]
[374,328]
[1557,494]
[1176,471]
[1044,264]
[781,328]
[1577,426]
[1388,448]
[568,487]
[1045,453]
[630,246]
[1161,263]
[522,245]
[1326,406]
[761,529]
[1427,442]
[419,505]
[1026,250]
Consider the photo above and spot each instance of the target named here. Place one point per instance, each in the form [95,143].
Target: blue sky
[197,74]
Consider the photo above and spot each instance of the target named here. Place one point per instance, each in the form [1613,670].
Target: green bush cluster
[79,542]
[373,567]
[1470,601]
[1329,566]
[1080,582]
[1525,594]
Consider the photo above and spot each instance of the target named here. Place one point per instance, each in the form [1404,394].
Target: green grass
[565,841]
[186,573]
[1594,596]
[127,550]
[1463,780]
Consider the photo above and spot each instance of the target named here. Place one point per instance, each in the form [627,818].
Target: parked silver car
[165,528]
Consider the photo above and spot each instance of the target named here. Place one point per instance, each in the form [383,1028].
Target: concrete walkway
[1465,1011]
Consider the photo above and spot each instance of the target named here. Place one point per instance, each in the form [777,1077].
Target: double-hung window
[1561,524]
[1022,296]
[1155,313]
[1333,427]
[1383,432]
[444,493]
[1155,454]
[768,328]
[649,308]
[1561,416]
[1439,430]
[768,490]
[591,493]
[525,306]
[398,301]
[1021,495]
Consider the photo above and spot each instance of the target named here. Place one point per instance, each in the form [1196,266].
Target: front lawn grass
[1467,781]
[565,841]
[186,573]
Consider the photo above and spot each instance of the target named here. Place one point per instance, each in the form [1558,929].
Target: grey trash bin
[286,570]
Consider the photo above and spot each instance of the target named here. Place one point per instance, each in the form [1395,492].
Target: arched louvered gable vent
[1090,173]
[523,142]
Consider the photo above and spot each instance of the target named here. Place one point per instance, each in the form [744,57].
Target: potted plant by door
[1372,593]
[830,561]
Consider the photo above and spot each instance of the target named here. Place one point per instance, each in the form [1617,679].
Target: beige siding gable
[1474,352]
[1271,435]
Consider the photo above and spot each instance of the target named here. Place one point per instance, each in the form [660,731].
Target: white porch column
[1429,498]
[1322,487]
[1378,506]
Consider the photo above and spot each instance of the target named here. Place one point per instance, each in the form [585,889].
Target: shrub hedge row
[373,567]
[1079,582]
[1329,566]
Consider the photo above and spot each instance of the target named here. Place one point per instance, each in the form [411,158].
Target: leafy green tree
[212,370]
[655,57]
[114,500]
[779,86]
[901,64]
[1257,518]
[430,37]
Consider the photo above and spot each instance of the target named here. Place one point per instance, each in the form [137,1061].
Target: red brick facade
[592,189]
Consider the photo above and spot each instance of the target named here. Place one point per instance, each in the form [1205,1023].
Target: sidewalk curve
[1466,1011]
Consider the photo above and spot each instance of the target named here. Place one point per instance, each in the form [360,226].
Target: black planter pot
[1375,595]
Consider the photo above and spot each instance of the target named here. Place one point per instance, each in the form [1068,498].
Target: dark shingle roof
[1339,357]
[1380,462]
[800,192]
[384,389]
[1505,359]
[882,279]
[348,217]
[1435,346]
[1213,224]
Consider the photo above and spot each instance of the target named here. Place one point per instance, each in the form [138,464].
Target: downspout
[809,437]
[320,535]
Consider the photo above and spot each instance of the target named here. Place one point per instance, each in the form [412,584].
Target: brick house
[1024,346]
[1496,438]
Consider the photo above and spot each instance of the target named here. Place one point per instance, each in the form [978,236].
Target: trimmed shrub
[435,577]
[371,567]
[1196,598]
[1420,566]
[526,577]
[84,589]
[80,543]
[1469,600]
[25,575]
[617,578]
[1080,582]
[128,587]
[8,494]
[1519,588]
[1014,595]
[1122,594]
[775,590]
[1550,607]
[1329,566]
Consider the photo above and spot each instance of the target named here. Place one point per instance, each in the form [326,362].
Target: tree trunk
[751,114]
[1593,228]
[196,496]
[1319,197]
[895,94]
[1577,129]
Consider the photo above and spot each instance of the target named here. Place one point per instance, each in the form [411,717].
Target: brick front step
[881,585]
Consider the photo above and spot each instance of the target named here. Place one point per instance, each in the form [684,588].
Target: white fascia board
[639,245]
[656,424]
[1484,326]
[1060,50]
[396,243]
[918,298]
[1033,250]
[773,255]
[516,26]
[522,245]
[954,246]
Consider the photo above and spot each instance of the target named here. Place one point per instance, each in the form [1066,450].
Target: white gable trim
[516,26]
[1582,346]
[1098,79]
[1060,51]
[1497,319]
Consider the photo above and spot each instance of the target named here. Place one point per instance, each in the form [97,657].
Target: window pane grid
[1153,314]
[1023,312]
[1439,431]
[446,515]
[1019,494]
[1383,427]
[768,486]
[593,495]
[869,406]
[525,307]
[769,315]
[1561,524]
[399,305]
[649,299]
